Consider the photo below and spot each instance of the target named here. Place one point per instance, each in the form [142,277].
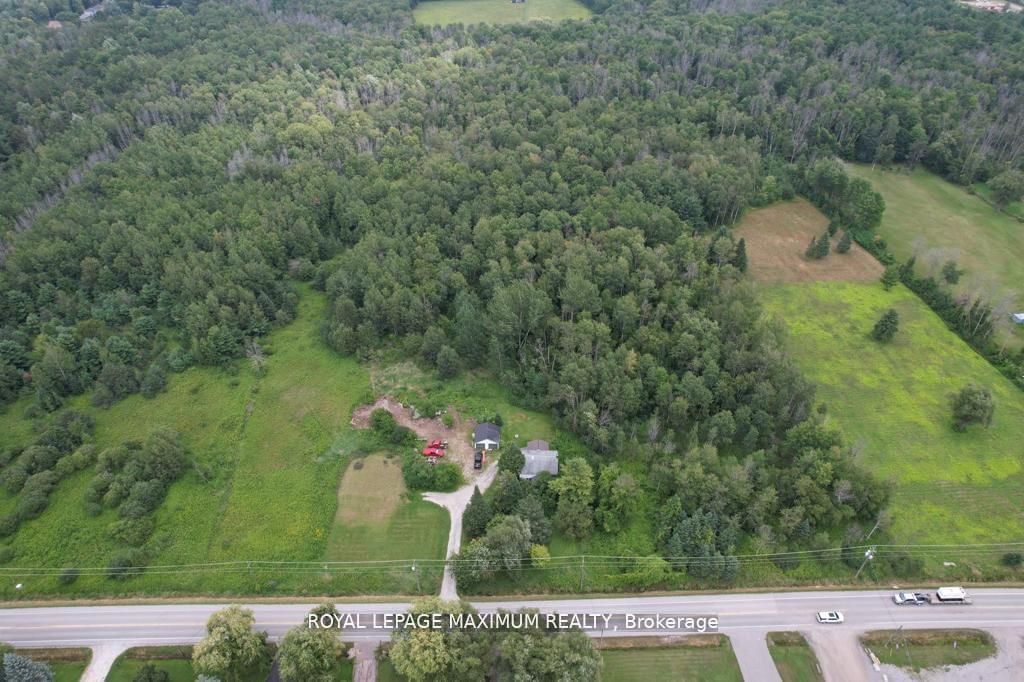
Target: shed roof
[539,461]
[487,431]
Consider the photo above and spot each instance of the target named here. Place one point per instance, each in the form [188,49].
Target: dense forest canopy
[550,202]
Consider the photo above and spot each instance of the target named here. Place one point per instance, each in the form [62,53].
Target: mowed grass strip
[793,657]
[925,649]
[892,402]
[777,237]
[377,519]
[444,12]
[176,661]
[938,221]
[703,661]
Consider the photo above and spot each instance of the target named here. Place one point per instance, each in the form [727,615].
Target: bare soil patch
[777,237]
[370,491]
[460,444]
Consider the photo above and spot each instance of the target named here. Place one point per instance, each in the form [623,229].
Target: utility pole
[868,556]
[417,577]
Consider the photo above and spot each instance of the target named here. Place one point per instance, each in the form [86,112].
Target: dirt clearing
[777,237]
[460,445]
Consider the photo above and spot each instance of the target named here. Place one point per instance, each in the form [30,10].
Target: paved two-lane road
[745,617]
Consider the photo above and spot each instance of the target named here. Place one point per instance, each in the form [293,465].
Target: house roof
[537,445]
[538,461]
[486,431]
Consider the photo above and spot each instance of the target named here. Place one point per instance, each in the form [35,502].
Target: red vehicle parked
[433,452]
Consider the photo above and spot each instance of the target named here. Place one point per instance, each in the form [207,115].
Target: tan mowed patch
[777,237]
[370,494]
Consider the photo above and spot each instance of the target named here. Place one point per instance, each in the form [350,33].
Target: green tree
[477,515]
[1007,187]
[511,459]
[422,654]
[531,510]
[819,247]
[231,650]
[887,326]
[972,404]
[575,489]
[615,493]
[154,381]
[23,669]
[844,243]
[950,272]
[447,362]
[890,277]
[309,654]
[508,539]
[740,259]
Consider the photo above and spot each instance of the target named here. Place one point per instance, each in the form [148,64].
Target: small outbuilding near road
[486,436]
[539,458]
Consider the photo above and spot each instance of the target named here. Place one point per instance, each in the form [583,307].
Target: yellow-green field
[939,221]
[444,12]
[892,401]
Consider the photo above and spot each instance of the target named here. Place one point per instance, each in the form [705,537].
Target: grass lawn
[377,520]
[701,663]
[940,221]
[892,401]
[926,649]
[125,669]
[793,657]
[442,12]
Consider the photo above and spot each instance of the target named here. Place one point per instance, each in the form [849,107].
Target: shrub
[6,555]
[122,567]
[448,420]
[447,477]
[539,555]
[68,576]
[179,359]
[1013,559]
[8,525]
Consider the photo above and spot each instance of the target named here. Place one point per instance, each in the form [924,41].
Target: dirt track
[459,437]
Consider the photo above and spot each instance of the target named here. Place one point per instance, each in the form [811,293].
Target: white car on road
[830,617]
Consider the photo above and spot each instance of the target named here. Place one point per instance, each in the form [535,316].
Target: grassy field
[443,12]
[939,221]
[892,401]
[927,649]
[377,520]
[793,657]
[777,237]
[703,663]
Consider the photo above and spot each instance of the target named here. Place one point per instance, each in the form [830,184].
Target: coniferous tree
[887,326]
[478,514]
[844,243]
